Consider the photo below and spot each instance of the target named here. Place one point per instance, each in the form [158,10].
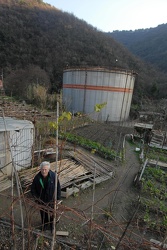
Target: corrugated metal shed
[16,140]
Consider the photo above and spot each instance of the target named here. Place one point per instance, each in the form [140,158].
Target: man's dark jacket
[45,194]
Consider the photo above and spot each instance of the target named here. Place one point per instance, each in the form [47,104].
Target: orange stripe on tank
[93,87]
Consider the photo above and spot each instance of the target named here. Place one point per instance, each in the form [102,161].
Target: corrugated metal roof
[10,124]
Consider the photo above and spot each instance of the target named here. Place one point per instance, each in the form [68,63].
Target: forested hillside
[37,41]
[149,44]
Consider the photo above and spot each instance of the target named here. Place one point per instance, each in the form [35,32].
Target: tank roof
[9,124]
[101,69]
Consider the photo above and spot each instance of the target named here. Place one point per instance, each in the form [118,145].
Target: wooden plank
[5,182]
[5,185]
[69,191]
[77,180]
[158,244]
[86,184]
[62,233]
[159,163]
[97,181]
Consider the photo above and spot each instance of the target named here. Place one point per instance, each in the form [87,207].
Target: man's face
[45,171]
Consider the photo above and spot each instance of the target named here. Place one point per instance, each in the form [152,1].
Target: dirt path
[124,189]
[114,198]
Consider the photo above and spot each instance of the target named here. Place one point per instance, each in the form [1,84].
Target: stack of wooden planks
[158,139]
[77,172]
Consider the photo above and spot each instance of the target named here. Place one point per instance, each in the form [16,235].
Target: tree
[37,94]
[20,81]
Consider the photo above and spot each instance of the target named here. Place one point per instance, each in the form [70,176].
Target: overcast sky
[109,15]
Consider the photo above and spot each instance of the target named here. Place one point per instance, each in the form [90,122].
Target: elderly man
[43,190]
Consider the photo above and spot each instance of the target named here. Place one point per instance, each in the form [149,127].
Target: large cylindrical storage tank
[83,88]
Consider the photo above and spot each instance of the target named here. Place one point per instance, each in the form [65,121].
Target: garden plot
[154,200]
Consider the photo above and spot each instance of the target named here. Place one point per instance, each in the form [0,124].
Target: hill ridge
[40,43]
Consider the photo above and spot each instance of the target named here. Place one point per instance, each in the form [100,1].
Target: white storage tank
[83,88]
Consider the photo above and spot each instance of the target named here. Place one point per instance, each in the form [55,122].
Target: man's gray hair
[45,163]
